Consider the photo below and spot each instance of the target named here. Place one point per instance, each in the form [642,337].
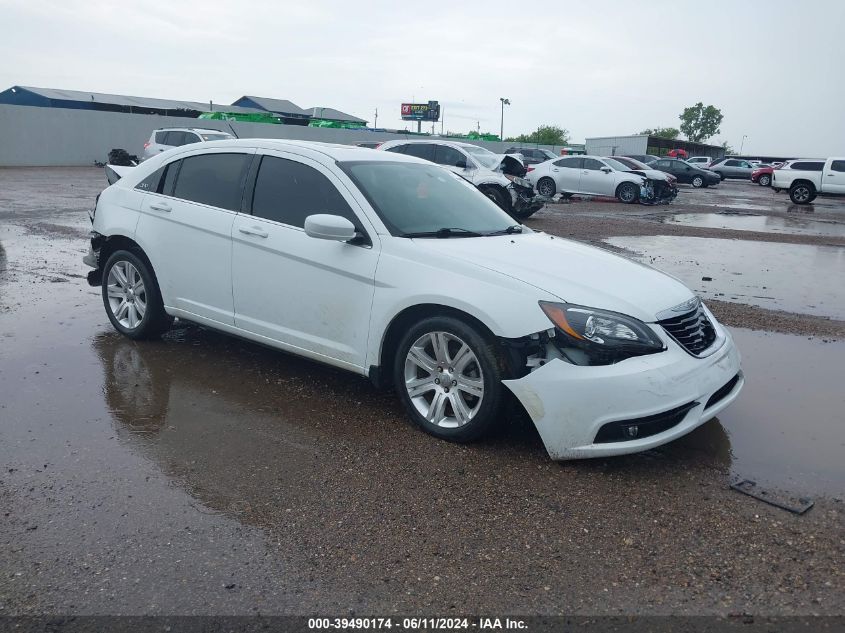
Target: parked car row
[395,268]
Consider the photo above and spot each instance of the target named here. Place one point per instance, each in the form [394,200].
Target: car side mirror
[461,164]
[324,226]
[606,170]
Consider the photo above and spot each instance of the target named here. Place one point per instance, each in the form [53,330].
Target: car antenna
[229,123]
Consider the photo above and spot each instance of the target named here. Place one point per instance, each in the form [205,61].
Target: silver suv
[167,138]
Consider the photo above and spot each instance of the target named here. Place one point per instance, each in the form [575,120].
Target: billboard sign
[421,111]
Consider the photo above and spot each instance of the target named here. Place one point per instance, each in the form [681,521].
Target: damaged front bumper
[524,201]
[630,406]
[657,192]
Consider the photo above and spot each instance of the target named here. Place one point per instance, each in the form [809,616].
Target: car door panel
[190,247]
[833,177]
[595,181]
[306,293]
[566,173]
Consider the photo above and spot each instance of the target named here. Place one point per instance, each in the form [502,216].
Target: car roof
[436,141]
[334,151]
[191,129]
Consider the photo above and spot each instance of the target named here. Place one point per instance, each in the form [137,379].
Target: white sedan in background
[394,268]
[597,176]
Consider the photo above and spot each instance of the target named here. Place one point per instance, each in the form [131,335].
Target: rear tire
[132,298]
[546,187]
[802,193]
[627,192]
[765,180]
[449,379]
[698,182]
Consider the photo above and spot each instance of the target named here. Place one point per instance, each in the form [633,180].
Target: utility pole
[502,126]
[375,120]
[742,144]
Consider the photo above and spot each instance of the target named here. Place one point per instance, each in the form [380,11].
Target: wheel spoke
[472,386]
[462,412]
[132,315]
[140,306]
[422,360]
[461,359]
[419,386]
[437,407]
[114,291]
[121,311]
[120,274]
[440,346]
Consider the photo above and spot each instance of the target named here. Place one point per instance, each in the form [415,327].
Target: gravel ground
[206,475]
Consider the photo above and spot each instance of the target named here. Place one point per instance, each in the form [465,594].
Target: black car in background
[644,158]
[686,173]
[532,155]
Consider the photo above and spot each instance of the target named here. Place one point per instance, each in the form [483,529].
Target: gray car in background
[168,138]
[732,168]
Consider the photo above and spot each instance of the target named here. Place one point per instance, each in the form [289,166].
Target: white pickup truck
[805,180]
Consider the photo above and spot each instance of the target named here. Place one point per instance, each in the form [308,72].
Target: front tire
[698,182]
[497,196]
[131,297]
[546,187]
[449,379]
[627,192]
[720,175]
[765,180]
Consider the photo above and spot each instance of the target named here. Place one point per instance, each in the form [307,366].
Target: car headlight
[599,337]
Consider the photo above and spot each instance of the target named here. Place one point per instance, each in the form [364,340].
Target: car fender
[122,216]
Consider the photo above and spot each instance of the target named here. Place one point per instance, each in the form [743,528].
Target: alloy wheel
[802,194]
[443,379]
[127,295]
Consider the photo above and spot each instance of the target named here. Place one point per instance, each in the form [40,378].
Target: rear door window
[212,179]
[570,163]
[287,191]
[421,150]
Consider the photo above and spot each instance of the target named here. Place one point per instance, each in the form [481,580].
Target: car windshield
[548,154]
[615,164]
[222,136]
[411,198]
[636,164]
[485,157]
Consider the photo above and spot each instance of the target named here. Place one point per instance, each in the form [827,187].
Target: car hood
[571,271]
[653,174]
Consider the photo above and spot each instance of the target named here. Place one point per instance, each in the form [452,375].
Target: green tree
[729,151]
[663,132]
[544,135]
[700,122]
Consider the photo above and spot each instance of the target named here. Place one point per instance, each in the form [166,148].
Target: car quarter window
[397,149]
[152,182]
[593,164]
[160,136]
[445,155]
[212,179]
[571,163]
[421,150]
[807,166]
[174,138]
[838,165]
[287,191]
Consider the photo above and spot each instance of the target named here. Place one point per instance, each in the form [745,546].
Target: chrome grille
[693,331]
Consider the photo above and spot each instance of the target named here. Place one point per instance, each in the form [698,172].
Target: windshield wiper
[444,232]
[513,228]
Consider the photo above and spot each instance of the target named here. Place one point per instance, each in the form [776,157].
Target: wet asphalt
[201,474]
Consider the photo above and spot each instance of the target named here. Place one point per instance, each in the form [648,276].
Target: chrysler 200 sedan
[397,269]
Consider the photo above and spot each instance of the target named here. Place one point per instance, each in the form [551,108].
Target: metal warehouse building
[645,144]
[80,100]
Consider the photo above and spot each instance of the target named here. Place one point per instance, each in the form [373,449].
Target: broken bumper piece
[630,406]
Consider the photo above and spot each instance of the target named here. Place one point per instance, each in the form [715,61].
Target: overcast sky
[597,68]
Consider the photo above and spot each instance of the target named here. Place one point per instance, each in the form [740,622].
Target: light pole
[742,144]
[502,125]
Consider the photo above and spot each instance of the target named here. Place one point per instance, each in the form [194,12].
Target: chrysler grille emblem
[686,306]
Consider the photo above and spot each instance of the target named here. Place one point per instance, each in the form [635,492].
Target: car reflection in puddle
[766,274]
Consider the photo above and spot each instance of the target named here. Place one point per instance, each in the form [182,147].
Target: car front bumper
[569,404]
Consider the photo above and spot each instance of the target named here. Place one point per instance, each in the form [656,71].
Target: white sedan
[597,176]
[394,268]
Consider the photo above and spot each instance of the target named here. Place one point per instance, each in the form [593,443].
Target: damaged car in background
[498,176]
[597,176]
[393,268]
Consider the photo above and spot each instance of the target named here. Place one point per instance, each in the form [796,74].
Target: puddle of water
[793,277]
[760,223]
[786,429]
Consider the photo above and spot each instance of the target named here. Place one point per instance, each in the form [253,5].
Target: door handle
[257,232]
[160,207]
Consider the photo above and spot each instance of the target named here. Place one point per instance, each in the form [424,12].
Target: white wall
[617,145]
[34,136]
